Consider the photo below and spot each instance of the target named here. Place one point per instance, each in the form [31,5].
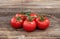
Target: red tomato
[23,17]
[43,24]
[33,15]
[16,22]
[29,25]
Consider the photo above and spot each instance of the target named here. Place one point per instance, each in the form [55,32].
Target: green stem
[21,12]
[18,18]
[41,18]
[28,13]
[30,18]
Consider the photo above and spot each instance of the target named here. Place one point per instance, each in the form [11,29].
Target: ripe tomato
[29,25]
[16,22]
[34,16]
[42,23]
[23,17]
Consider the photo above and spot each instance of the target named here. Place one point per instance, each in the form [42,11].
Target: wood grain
[30,3]
[9,8]
[6,31]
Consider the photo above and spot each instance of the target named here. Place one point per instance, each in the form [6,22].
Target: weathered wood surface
[41,6]
[7,32]
[30,3]
[9,8]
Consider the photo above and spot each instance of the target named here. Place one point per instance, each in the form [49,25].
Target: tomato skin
[23,17]
[16,24]
[29,26]
[43,24]
[33,14]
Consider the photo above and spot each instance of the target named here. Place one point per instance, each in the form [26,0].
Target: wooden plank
[6,31]
[13,11]
[9,8]
[29,3]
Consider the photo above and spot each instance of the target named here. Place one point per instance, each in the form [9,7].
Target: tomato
[43,23]
[34,16]
[29,25]
[23,17]
[16,22]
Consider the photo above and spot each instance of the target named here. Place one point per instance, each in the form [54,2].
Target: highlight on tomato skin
[43,23]
[16,22]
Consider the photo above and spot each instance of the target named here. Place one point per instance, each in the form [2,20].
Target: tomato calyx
[21,12]
[30,18]
[28,13]
[42,18]
[18,18]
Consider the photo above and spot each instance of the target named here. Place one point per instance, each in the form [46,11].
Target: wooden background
[41,6]
[9,8]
